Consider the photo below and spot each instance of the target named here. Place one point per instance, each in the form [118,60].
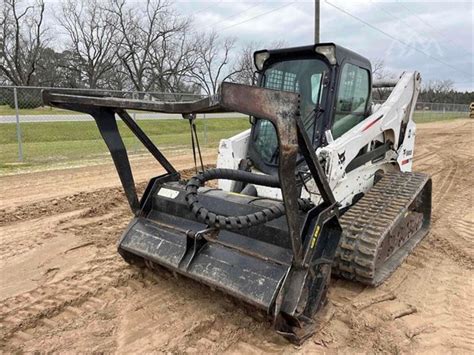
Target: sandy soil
[63,287]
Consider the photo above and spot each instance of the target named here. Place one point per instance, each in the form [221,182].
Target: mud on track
[64,288]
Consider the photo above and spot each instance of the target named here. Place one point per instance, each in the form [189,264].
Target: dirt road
[64,288]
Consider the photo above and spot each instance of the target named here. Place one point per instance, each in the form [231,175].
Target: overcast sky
[435,38]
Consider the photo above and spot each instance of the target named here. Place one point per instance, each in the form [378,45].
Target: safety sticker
[168,193]
[314,239]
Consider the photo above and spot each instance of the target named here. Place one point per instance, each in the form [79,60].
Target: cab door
[352,100]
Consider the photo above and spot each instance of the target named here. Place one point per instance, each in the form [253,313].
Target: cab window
[302,76]
[352,99]
[316,87]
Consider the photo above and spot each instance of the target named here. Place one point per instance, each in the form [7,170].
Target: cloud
[437,36]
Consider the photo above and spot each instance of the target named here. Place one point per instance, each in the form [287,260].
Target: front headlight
[259,59]
[329,51]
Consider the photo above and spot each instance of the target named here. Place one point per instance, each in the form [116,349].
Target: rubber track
[367,223]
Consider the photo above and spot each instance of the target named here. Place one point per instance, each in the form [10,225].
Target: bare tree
[245,63]
[91,39]
[440,86]
[438,90]
[142,30]
[50,70]
[21,40]
[245,68]
[213,64]
[378,69]
[380,73]
[172,58]
[118,79]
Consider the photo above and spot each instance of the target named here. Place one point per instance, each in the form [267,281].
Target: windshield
[303,76]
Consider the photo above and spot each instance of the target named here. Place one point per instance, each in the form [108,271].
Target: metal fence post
[134,138]
[205,129]
[18,128]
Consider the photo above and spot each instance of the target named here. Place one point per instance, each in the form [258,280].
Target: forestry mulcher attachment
[321,184]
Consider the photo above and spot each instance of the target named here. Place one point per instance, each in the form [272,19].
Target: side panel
[387,120]
[407,149]
[231,151]
[383,124]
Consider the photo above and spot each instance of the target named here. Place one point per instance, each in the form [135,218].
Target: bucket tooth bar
[302,290]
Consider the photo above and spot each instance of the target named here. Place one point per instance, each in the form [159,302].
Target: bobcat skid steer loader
[321,184]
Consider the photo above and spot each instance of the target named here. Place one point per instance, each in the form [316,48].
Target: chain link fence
[35,134]
[435,111]
[28,102]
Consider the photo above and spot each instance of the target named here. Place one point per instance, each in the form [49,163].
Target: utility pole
[316,20]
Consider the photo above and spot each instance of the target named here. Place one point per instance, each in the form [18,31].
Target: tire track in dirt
[25,311]
[198,321]
[107,306]
[443,321]
[40,230]
[145,313]
[446,184]
[94,317]
[451,213]
[452,195]
[98,225]
[95,201]
[464,229]
[13,243]
[24,189]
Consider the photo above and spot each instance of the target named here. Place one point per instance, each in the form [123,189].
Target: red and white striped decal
[371,123]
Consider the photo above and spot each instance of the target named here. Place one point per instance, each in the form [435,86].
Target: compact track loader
[321,184]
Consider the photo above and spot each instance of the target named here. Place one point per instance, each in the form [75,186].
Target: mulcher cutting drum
[250,263]
[254,263]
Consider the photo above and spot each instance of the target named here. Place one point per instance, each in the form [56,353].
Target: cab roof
[342,53]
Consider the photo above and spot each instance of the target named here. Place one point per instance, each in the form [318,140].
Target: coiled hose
[235,222]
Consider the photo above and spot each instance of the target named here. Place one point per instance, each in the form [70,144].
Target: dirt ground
[63,287]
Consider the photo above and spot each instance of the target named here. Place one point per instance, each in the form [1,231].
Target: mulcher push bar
[281,108]
[282,268]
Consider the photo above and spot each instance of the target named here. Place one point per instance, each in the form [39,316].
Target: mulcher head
[274,255]
[252,261]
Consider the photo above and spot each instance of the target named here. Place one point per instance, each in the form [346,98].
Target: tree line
[115,44]
[434,91]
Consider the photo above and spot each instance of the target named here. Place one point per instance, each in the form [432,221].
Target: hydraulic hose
[235,222]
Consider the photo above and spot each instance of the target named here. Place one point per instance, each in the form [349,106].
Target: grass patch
[48,142]
[6,110]
[419,116]
[57,142]
[433,116]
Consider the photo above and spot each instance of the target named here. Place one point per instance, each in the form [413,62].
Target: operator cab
[334,84]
